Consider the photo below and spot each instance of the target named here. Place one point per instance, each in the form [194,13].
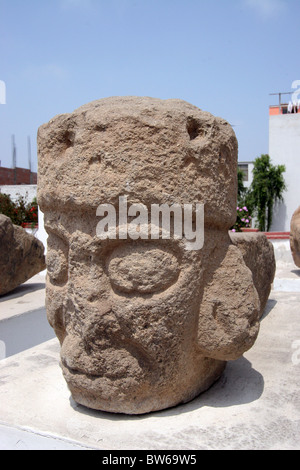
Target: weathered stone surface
[144,324]
[21,255]
[259,256]
[295,237]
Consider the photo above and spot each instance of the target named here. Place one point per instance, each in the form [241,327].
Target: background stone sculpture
[143,324]
[258,254]
[295,237]
[21,255]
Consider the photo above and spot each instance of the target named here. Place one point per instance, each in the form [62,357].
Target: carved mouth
[127,359]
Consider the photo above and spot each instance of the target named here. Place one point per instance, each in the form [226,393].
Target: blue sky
[224,56]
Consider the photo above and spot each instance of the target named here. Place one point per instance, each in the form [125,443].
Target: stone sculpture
[295,237]
[144,323]
[259,256]
[21,255]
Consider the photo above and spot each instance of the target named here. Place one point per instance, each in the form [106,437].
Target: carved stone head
[295,237]
[144,322]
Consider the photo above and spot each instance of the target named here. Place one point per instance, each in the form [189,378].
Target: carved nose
[142,269]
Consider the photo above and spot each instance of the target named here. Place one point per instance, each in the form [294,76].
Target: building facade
[284,149]
[13,176]
[247,169]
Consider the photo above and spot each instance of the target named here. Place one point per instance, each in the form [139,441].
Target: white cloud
[267,8]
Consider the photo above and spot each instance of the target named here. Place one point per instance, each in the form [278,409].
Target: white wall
[284,149]
[28,191]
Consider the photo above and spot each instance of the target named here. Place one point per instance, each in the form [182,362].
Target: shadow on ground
[269,307]
[296,271]
[22,290]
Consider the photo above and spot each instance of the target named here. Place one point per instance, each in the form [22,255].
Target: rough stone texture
[259,256]
[295,237]
[143,324]
[21,255]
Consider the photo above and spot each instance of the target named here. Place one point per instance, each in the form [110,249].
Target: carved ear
[229,312]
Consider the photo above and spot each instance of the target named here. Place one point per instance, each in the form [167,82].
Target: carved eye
[57,260]
[142,269]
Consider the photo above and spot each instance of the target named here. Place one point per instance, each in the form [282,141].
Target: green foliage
[241,188]
[245,207]
[267,188]
[7,207]
[19,212]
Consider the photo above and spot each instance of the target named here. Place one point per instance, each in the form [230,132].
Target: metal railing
[282,106]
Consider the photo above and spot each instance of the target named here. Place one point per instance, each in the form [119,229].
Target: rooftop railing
[284,108]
